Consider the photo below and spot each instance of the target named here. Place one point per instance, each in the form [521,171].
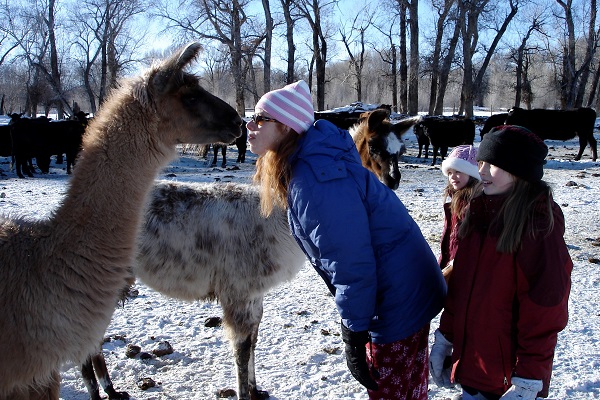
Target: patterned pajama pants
[403,367]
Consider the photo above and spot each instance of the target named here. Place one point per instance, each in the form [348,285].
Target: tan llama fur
[60,277]
[210,242]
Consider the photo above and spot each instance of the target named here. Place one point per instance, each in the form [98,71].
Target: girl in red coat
[507,299]
[463,183]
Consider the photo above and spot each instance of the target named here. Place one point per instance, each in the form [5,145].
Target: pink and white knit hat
[290,105]
[464,159]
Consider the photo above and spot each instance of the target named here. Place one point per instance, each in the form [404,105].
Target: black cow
[242,144]
[444,132]
[25,135]
[58,138]
[559,125]
[341,119]
[5,141]
[42,138]
[491,122]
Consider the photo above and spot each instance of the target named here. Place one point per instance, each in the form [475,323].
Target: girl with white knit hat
[359,238]
[463,183]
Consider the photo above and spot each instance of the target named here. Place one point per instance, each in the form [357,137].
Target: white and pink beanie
[464,159]
[290,105]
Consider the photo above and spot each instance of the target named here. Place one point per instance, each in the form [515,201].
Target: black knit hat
[516,150]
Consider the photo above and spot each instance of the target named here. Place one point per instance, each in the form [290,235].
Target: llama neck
[111,180]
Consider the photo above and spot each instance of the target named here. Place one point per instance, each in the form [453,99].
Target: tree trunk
[413,85]
[268,44]
[289,35]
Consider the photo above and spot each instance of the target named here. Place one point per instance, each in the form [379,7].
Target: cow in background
[491,122]
[559,125]
[442,133]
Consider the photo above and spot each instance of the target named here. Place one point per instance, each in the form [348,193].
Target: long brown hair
[273,173]
[459,199]
[527,210]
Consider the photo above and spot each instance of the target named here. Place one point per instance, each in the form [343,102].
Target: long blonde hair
[273,173]
[521,210]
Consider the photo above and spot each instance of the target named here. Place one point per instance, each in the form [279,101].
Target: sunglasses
[260,119]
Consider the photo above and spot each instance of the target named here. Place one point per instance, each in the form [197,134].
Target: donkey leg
[104,377]
[89,379]
[242,321]
[255,394]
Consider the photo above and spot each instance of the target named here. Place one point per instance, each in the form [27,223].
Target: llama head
[182,106]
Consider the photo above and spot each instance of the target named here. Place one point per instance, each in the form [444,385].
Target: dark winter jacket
[449,242]
[504,311]
[360,239]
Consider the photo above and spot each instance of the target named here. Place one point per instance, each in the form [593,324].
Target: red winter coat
[449,242]
[504,311]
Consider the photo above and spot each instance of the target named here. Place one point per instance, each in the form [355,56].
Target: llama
[210,242]
[379,143]
[60,277]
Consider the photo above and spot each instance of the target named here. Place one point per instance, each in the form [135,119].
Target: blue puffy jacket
[361,240]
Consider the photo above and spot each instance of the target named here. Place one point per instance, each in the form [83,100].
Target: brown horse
[379,143]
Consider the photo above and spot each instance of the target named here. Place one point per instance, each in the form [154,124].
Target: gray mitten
[438,365]
[523,389]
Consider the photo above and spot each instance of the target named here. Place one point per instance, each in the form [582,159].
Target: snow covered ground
[300,353]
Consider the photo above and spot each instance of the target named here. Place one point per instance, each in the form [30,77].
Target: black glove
[356,357]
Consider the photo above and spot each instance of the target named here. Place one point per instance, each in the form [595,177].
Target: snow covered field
[300,353]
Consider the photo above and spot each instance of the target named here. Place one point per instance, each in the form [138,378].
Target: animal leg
[242,321]
[435,154]
[215,154]
[582,143]
[104,377]
[224,153]
[594,146]
[89,379]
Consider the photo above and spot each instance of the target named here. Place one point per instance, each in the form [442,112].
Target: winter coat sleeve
[334,223]
[543,285]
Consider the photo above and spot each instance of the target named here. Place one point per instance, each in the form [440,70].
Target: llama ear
[170,72]
[187,55]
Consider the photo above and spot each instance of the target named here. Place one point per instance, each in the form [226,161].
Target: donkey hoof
[259,394]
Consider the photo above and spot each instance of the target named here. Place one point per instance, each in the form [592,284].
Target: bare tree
[403,59]
[269,27]
[287,7]
[470,30]
[311,11]
[32,28]
[521,57]
[458,16]
[104,43]
[413,79]
[389,55]
[222,21]
[355,37]
[442,9]
[573,78]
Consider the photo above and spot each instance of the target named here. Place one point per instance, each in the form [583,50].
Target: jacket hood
[324,143]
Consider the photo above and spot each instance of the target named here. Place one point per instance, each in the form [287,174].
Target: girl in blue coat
[357,235]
